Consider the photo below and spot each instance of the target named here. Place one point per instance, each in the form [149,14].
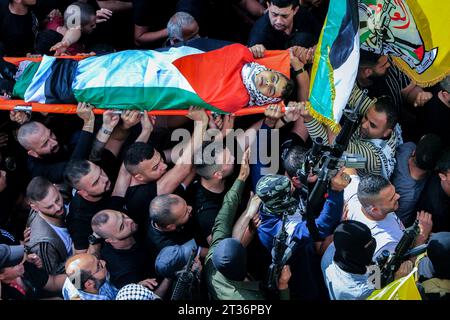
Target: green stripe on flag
[25,79]
[144,98]
[322,90]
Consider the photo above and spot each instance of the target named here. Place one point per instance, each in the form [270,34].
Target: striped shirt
[363,147]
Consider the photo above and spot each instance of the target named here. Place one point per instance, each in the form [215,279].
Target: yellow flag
[415,33]
[401,289]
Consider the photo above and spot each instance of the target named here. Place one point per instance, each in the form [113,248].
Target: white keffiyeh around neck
[387,153]
[249,72]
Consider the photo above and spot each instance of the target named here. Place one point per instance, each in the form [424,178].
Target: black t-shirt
[272,39]
[34,278]
[137,201]
[80,215]
[147,14]
[128,266]
[52,166]
[205,207]
[435,201]
[17,32]
[434,117]
[156,239]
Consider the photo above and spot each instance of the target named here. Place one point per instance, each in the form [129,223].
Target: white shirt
[387,232]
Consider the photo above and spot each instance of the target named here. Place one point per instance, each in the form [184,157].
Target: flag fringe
[334,127]
[411,74]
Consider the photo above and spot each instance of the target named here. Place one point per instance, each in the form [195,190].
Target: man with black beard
[378,76]
[46,157]
[93,194]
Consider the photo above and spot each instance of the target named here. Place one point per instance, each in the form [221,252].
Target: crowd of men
[113,207]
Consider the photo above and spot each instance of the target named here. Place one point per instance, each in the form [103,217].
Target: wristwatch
[295,73]
[94,239]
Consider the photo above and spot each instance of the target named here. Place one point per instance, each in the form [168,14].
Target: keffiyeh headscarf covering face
[249,72]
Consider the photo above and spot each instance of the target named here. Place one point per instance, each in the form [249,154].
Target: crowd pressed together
[105,207]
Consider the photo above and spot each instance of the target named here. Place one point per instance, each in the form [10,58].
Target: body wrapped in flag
[153,80]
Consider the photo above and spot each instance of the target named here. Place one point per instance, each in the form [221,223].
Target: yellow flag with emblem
[414,32]
[401,289]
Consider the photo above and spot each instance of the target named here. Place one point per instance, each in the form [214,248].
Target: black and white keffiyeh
[249,72]
[134,291]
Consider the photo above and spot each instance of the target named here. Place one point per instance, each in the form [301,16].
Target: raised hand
[422,98]
[197,114]
[340,180]
[273,112]
[110,119]
[292,111]
[84,111]
[215,121]
[103,15]
[60,48]
[19,116]
[228,123]
[425,223]
[285,275]
[130,118]
[304,111]
[245,166]
[296,63]
[148,122]
[258,51]
[149,283]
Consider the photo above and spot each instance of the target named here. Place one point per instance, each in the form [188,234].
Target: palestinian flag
[335,63]
[150,80]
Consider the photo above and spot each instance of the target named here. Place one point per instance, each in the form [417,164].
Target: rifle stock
[185,280]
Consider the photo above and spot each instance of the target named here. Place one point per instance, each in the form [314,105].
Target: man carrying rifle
[373,200]
[275,192]
[347,277]
[376,138]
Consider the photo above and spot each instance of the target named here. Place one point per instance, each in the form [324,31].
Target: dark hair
[38,188]
[294,160]
[206,169]
[384,104]
[284,3]
[75,170]
[368,59]
[159,209]
[99,219]
[287,90]
[86,13]
[46,39]
[6,86]
[369,187]
[136,153]
[428,151]
[443,164]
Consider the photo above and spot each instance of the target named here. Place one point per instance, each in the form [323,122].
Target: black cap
[354,245]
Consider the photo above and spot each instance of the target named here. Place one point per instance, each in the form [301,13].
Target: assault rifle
[325,161]
[390,263]
[186,279]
